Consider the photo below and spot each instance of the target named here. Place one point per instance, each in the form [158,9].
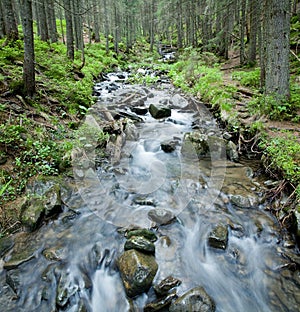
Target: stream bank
[215,246]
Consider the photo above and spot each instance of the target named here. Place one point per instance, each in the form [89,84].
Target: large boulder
[36,208]
[159,111]
[195,299]
[137,271]
[197,144]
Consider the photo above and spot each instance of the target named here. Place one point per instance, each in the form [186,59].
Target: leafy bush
[283,154]
[268,105]
[248,78]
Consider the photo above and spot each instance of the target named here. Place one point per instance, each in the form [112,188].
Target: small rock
[158,111]
[137,271]
[168,146]
[6,243]
[240,201]
[140,243]
[218,237]
[166,285]
[195,299]
[227,136]
[142,232]
[140,110]
[231,151]
[161,303]
[161,216]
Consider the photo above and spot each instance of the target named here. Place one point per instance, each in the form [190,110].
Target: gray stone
[161,216]
[218,237]
[241,201]
[195,144]
[195,299]
[159,111]
[231,151]
[6,243]
[137,271]
[36,208]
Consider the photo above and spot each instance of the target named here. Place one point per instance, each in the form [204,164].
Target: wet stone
[13,280]
[137,271]
[169,146]
[140,243]
[143,232]
[161,216]
[140,110]
[218,237]
[6,243]
[160,303]
[240,201]
[36,208]
[166,285]
[231,151]
[158,111]
[195,299]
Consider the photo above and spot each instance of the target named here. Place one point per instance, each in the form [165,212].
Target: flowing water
[69,264]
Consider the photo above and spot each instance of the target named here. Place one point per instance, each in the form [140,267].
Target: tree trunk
[96,21]
[11,25]
[69,30]
[2,24]
[42,16]
[254,25]
[277,40]
[28,66]
[242,32]
[51,20]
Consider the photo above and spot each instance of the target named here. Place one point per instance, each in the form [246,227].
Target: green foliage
[268,105]
[248,78]
[193,75]
[11,52]
[283,154]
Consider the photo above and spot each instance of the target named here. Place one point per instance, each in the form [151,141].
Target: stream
[212,226]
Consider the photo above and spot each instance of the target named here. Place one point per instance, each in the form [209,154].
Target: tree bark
[69,29]
[42,17]
[11,25]
[277,41]
[28,66]
[51,20]
[96,21]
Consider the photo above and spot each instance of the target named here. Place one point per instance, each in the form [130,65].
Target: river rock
[137,271]
[218,237]
[168,146]
[160,303]
[241,201]
[195,144]
[166,285]
[159,111]
[140,243]
[142,232]
[161,216]
[140,110]
[231,151]
[37,207]
[195,299]
[6,243]
[66,288]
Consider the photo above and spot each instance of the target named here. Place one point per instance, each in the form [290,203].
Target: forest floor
[273,128]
